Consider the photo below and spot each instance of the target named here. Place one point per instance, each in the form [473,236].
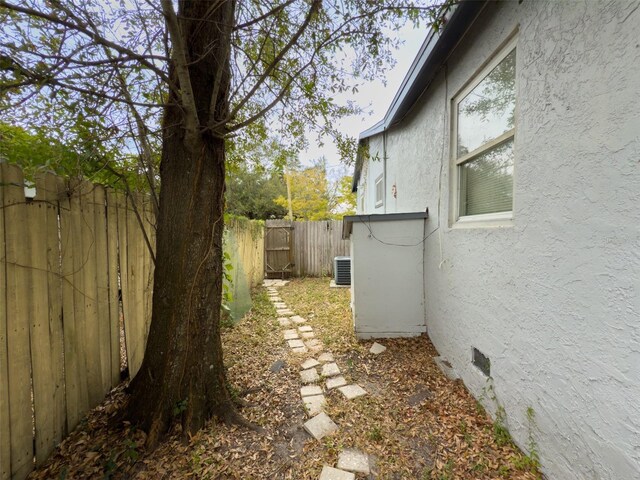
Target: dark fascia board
[432,54]
[349,220]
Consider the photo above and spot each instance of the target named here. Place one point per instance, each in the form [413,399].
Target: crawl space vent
[342,270]
[481,362]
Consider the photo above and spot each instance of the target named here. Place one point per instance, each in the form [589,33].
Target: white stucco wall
[387,273]
[554,299]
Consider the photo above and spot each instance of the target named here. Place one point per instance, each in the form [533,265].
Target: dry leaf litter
[413,423]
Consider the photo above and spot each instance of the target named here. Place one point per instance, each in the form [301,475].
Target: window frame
[379,202]
[497,219]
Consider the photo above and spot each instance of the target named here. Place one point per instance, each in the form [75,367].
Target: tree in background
[252,193]
[345,203]
[314,197]
[39,152]
[209,69]
[309,194]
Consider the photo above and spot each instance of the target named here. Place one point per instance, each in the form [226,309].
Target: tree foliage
[39,152]
[309,194]
[314,197]
[252,193]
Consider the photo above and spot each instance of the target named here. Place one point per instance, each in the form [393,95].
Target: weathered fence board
[102,288]
[134,321]
[42,336]
[114,301]
[75,330]
[5,433]
[89,295]
[314,246]
[18,307]
[48,192]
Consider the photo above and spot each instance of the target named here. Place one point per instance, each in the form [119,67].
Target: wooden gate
[278,249]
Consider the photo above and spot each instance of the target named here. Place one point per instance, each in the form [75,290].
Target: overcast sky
[374,97]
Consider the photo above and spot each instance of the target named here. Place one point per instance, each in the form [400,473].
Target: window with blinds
[484,132]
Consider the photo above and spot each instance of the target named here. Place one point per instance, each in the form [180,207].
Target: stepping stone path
[377,349]
[301,339]
[354,461]
[352,391]
[330,473]
[330,370]
[309,376]
[290,335]
[320,426]
[336,382]
[310,363]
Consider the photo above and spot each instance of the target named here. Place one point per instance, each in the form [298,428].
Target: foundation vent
[482,362]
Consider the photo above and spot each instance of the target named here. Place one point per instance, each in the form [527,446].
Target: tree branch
[143,59]
[182,70]
[273,11]
[315,6]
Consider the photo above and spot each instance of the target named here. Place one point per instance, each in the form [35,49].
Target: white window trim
[500,219]
[379,180]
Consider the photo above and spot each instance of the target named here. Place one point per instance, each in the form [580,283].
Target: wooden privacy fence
[73,263]
[244,244]
[65,256]
[303,248]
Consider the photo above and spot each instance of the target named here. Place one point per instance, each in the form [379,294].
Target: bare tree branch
[273,11]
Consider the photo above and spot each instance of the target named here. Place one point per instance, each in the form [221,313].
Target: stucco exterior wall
[553,299]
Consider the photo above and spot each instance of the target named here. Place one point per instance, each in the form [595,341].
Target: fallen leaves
[415,422]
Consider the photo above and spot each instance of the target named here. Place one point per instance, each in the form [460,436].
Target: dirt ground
[414,423]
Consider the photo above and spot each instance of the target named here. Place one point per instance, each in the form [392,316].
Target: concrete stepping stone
[295,343]
[377,349]
[309,376]
[326,357]
[309,363]
[300,350]
[305,328]
[280,305]
[330,473]
[307,335]
[352,391]
[290,336]
[275,298]
[298,319]
[330,370]
[336,382]
[309,390]
[320,426]
[284,312]
[284,322]
[354,461]
[314,345]
[314,404]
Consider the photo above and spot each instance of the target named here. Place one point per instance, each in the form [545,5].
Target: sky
[374,97]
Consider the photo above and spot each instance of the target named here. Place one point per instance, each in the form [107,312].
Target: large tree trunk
[182,374]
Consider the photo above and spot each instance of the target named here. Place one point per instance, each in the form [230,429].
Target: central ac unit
[342,270]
